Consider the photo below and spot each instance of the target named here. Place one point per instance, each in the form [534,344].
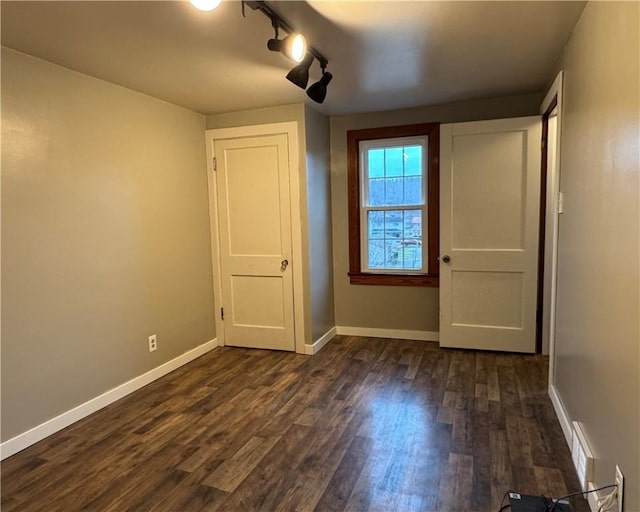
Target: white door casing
[255,226]
[489,214]
[550,232]
[552,225]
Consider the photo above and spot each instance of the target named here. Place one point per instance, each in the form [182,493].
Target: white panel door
[254,216]
[489,215]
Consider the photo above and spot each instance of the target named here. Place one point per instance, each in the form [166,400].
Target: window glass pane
[393,224]
[413,160]
[394,239]
[393,230]
[412,255]
[376,253]
[376,163]
[393,254]
[413,190]
[375,223]
[376,192]
[394,161]
[412,239]
[412,224]
[394,193]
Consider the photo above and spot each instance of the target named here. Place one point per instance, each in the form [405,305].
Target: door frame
[552,100]
[290,129]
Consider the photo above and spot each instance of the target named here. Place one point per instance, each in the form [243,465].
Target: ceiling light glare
[298,47]
[205,5]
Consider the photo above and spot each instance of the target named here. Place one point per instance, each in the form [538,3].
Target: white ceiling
[383,55]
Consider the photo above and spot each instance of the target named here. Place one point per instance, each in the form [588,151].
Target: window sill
[394,279]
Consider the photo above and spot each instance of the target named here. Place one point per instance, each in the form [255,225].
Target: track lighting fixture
[318,91]
[294,46]
[300,74]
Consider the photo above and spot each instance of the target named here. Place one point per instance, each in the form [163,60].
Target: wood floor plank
[130,488]
[456,483]
[524,479]
[550,481]
[229,475]
[481,441]
[337,493]
[519,441]
[501,475]
[277,467]
[365,425]
[202,499]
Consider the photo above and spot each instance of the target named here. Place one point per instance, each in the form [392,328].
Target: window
[393,205]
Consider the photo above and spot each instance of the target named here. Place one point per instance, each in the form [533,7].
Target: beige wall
[105,237]
[396,307]
[598,335]
[319,212]
[281,114]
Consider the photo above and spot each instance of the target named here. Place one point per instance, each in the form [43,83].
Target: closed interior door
[489,200]
[254,215]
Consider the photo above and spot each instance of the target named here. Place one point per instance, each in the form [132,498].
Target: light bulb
[205,5]
[298,48]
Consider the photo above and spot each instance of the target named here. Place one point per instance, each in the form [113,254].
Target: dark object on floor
[526,503]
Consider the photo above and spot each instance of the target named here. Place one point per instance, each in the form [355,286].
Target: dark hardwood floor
[365,425]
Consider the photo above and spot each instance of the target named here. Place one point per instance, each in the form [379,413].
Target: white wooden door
[489,214]
[254,217]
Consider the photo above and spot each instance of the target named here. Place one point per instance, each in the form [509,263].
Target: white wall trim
[552,224]
[215,241]
[400,334]
[554,90]
[320,342]
[561,413]
[290,129]
[32,436]
[565,422]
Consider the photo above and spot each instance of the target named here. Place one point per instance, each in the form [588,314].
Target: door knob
[446,258]
[284,265]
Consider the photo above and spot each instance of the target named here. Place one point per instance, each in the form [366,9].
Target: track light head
[318,91]
[294,46]
[299,75]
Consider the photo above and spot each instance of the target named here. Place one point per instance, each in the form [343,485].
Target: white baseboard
[320,342]
[593,498]
[561,413]
[32,436]
[388,333]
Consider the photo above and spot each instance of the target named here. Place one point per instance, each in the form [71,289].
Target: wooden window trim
[354,137]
